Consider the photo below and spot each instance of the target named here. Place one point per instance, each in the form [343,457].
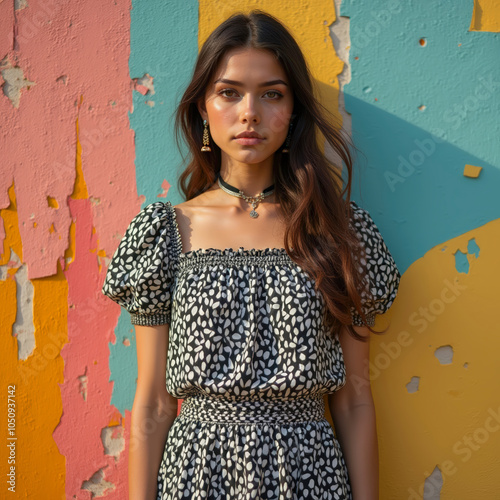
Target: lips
[250,135]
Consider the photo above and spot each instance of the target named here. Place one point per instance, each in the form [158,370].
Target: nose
[249,112]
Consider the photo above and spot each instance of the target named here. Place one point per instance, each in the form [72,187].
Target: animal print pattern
[248,354]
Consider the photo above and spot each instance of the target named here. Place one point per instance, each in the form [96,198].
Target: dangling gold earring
[287,143]
[205,147]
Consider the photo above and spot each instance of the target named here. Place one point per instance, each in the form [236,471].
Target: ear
[202,109]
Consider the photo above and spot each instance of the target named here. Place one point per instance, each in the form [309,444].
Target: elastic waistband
[261,411]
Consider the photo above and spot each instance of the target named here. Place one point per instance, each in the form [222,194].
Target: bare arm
[153,412]
[353,414]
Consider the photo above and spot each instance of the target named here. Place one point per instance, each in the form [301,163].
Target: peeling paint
[20,4]
[81,371]
[473,248]
[165,186]
[463,260]
[412,385]
[97,485]
[14,83]
[444,354]
[83,379]
[144,85]
[52,202]
[433,485]
[24,329]
[113,440]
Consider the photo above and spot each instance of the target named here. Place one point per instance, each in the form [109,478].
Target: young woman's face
[249,93]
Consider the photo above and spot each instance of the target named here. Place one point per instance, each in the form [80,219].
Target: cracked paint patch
[83,379]
[462,259]
[14,81]
[9,269]
[97,485]
[20,4]
[24,328]
[433,484]
[461,262]
[165,186]
[52,202]
[412,385]
[473,248]
[144,85]
[62,79]
[444,354]
[113,440]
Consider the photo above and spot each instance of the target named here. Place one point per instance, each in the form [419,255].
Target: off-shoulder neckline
[229,251]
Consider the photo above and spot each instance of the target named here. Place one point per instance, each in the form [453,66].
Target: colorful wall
[86,139]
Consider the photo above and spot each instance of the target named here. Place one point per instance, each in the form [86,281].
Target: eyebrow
[241,84]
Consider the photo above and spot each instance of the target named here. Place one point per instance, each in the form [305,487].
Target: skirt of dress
[219,449]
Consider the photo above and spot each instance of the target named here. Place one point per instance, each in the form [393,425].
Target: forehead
[251,65]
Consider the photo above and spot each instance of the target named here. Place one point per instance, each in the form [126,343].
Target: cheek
[279,120]
[219,112]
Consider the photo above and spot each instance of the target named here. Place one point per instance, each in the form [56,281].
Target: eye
[277,94]
[224,92]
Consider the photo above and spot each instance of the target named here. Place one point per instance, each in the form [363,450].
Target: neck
[252,179]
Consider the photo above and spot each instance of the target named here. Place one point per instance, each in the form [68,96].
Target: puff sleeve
[382,274]
[141,272]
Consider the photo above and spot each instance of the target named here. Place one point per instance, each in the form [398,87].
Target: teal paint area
[123,364]
[461,262]
[164,45]
[461,259]
[424,100]
[473,248]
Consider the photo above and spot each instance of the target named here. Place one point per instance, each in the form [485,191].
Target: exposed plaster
[339,34]
[97,485]
[433,485]
[113,440]
[14,81]
[20,4]
[24,328]
[83,379]
[412,385]
[444,354]
[144,84]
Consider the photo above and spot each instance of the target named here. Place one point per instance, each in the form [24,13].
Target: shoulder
[151,229]
[362,221]
[157,216]
[142,269]
[153,213]
[378,263]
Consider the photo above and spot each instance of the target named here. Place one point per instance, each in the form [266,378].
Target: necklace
[253,200]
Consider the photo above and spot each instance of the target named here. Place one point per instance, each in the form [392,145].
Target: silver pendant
[254,214]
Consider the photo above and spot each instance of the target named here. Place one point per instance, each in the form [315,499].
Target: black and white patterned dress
[249,356]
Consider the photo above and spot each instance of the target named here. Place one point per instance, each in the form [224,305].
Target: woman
[257,288]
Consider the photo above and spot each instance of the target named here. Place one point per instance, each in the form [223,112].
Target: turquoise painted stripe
[410,175]
[164,44]
[123,365]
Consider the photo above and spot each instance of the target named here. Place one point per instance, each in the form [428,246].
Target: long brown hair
[307,184]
